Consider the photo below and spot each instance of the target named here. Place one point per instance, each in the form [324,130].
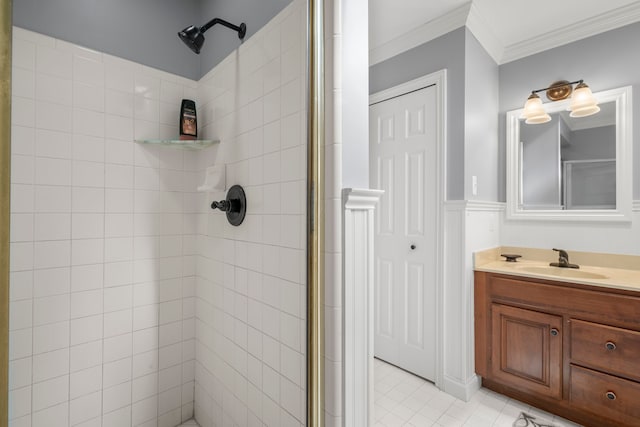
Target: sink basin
[564,272]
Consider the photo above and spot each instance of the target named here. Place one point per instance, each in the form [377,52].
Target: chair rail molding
[485,206]
[358,235]
[476,205]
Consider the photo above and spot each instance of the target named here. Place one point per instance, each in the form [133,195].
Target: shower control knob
[413,247]
[235,205]
[223,205]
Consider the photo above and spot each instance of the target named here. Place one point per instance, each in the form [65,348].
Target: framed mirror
[572,168]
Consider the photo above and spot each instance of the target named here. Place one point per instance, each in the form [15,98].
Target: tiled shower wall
[125,286]
[251,297]
[103,242]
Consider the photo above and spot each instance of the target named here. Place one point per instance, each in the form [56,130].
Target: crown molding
[605,22]
[485,35]
[420,35]
[469,16]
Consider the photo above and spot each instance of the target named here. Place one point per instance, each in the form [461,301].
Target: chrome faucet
[563,260]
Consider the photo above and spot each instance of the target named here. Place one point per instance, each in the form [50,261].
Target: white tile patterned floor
[402,399]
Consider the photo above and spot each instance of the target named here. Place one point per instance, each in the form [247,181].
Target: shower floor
[190,423]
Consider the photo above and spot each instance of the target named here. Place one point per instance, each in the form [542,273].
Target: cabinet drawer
[605,395]
[605,348]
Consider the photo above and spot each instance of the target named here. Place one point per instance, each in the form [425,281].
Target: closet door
[403,164]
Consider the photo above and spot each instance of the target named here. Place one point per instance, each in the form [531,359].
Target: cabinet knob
[611,395]
[554,332]
[610,345]
[413,247]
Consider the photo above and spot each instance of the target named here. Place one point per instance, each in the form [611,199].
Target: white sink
[563,272]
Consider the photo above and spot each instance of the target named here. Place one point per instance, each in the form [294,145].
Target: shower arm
[241,29]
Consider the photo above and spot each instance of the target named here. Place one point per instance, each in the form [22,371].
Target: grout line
[104,240]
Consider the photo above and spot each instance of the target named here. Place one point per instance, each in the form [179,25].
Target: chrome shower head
[193,36]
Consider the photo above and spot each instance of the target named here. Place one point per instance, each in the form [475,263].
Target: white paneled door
[403,164]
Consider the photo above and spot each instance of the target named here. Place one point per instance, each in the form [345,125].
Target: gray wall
[481,153]
[591,144]
[355,95]
[604,61]
[541,165]
[221,41]
[145,31]
[447,51]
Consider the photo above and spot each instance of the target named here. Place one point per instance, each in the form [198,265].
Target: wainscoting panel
[358,223]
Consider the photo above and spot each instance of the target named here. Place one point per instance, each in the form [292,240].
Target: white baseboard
[460,390]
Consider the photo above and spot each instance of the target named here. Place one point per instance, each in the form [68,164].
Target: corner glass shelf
[193,144]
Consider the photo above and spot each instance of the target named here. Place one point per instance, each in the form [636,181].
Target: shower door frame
[315,212]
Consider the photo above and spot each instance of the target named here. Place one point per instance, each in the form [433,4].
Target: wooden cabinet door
[526,350]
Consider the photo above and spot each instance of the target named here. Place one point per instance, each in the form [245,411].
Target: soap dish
[214,179]
[511,257]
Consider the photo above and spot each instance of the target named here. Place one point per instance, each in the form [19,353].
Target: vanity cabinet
[570,349]
[526,349]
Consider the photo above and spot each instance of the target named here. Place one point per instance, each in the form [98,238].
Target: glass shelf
[193,144]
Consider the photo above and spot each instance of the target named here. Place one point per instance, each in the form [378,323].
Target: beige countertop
[603,270]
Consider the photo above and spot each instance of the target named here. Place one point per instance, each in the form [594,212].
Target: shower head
[193,36]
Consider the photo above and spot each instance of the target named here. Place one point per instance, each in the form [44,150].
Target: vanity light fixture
[583,103]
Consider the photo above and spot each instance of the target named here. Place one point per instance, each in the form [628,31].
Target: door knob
[413,247]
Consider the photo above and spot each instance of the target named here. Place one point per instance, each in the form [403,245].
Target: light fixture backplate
[559,90]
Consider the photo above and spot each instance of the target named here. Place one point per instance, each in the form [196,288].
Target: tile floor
[402,399]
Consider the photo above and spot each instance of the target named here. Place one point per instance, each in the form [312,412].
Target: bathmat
[526,420]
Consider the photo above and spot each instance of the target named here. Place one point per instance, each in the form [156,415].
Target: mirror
[572,168]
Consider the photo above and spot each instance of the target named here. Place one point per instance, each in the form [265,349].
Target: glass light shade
[583,102]
[536,120]
[584,112]
[534,111]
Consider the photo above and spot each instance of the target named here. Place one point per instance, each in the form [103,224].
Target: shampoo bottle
[188,121]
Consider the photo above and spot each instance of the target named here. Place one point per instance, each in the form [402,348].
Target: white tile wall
[333,200]
[102,242]
[250,318]
[124,286]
